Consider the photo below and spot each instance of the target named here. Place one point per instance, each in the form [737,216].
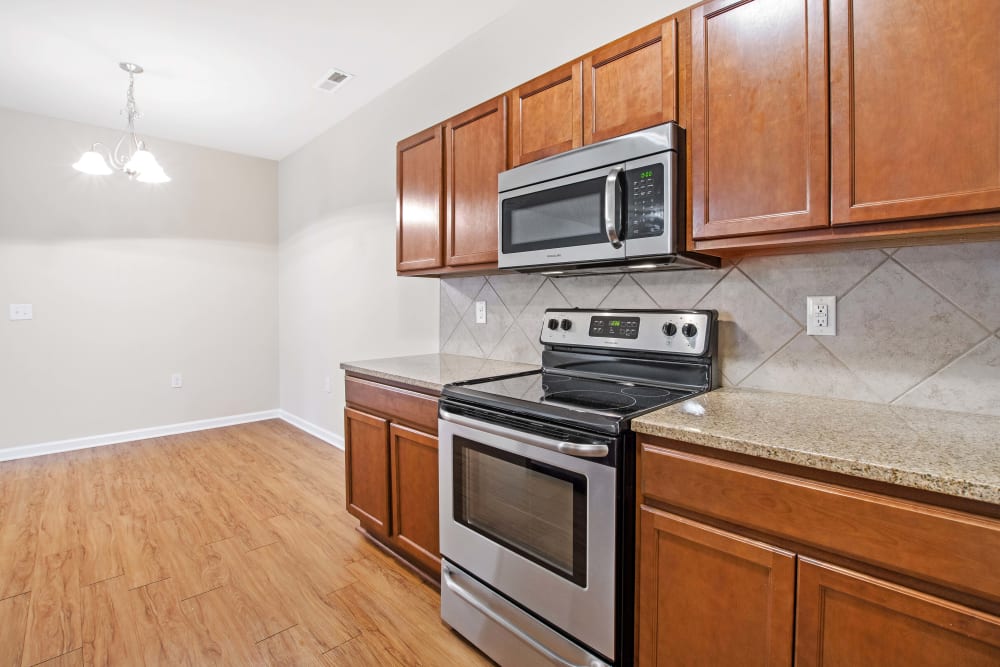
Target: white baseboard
[57,446]
[323,434]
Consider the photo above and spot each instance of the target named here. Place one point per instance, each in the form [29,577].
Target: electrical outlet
[821,315]
[480,312]
[21,311]
[176,380]
[326,384]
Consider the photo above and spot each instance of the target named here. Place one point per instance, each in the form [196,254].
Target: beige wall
[131,282]
[339,297]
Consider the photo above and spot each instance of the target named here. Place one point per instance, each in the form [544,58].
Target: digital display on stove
[614,327]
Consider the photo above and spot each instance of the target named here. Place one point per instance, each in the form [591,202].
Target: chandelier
[130,155]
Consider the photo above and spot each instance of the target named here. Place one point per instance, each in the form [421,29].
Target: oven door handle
[611,226]
[471,599]
[586,450]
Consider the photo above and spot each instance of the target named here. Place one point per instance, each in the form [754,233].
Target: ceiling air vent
[333,80]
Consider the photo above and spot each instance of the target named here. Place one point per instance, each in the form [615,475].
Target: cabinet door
[546,117]
[366,444]
[475,152]
[708,597]
[420,201]
[914,108]
[631,83]
[846,618]
[415,495]
[759,121]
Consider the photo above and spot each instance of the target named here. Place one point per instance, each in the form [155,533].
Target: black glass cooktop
[554,393]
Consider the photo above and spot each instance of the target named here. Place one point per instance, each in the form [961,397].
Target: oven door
[535,523]
[570,220]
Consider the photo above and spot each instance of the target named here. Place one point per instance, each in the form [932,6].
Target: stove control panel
[671,331]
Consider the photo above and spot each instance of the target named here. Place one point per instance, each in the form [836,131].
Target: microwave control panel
[645,212]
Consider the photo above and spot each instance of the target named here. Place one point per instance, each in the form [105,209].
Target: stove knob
[566,325]
[689,330]
[553,324]
[670,328]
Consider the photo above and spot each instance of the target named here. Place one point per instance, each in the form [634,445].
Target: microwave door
[563,221]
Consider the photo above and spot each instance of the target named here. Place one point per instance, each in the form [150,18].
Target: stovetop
[601,369]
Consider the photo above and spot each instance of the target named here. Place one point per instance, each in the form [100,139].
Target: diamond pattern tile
[917,339]
[967,273]
[679,289]
[752,327]
[516,289]
[806,367]
[895,331]
[969,384]
[498,320]
[789,279]
[627,294]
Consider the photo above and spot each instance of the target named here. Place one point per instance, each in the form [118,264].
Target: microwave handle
[611,226]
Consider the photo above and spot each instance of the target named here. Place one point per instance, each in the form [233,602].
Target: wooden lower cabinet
[367,464]
[710,597]
[414,458]
[848,618]
[734,568]
[392,468]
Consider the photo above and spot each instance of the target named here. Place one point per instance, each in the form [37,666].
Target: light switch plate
[21,311]
[176,380]
[821,315]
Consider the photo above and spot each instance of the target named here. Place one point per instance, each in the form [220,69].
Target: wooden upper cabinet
[709,597]
[847,618]
[366,445]
[914,108]
[631,83]
[546,115]
[420,201]
[759,121]
[475,152]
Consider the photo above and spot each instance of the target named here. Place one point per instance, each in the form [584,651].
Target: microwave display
[644,206]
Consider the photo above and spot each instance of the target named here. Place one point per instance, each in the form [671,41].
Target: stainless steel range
[537,483]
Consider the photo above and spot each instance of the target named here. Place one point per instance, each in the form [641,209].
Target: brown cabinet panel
[709,597]
[945,547]
[414,458]
[475,152]
[914,108]
[631,83]
[759,127]
[846,618]
[420,201]
[397,404]
[546,115]
[366,445]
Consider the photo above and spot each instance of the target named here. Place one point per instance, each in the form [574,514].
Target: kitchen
[818,498]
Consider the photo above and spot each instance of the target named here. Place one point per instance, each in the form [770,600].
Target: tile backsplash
[917,326]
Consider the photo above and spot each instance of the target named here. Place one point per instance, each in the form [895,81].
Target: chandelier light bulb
[92,163]
[154,175]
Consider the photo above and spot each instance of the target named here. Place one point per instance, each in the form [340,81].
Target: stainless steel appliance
[611,206]
[537,483]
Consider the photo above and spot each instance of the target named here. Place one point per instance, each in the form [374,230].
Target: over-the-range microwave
[617,205]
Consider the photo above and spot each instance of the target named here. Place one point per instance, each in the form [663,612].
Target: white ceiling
[230,74]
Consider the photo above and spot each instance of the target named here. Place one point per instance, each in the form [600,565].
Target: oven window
[569,215]
[531,508]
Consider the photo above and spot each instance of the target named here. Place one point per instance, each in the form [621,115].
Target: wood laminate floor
[229,546]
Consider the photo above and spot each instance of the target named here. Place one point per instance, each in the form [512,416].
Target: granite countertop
[433,371]
[948,452]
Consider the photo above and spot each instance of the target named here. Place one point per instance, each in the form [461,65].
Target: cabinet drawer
[398,404]
[946,547]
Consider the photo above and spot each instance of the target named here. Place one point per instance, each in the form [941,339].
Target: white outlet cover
[21,311]
[176,381]
[480,312]
[814,315]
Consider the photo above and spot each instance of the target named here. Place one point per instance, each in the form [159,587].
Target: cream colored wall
[339,296]
[131,282]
